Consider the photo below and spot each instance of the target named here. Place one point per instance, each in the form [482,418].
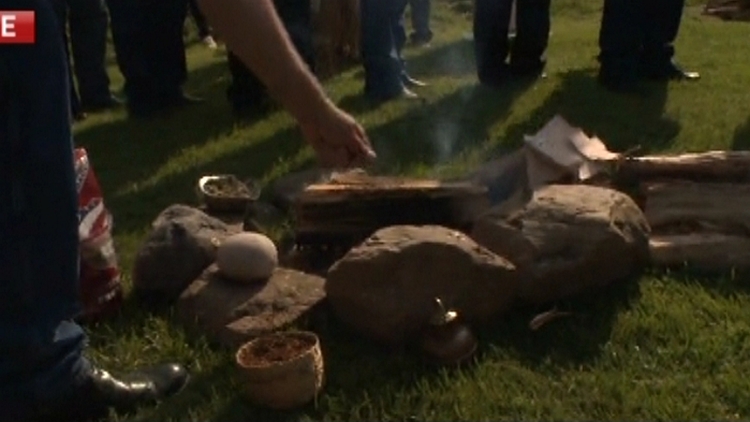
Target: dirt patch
[269,350]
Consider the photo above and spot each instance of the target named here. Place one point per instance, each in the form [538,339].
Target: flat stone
[230,314]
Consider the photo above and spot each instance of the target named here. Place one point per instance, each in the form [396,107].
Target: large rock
[386,287]
[180,246]
[570,237]
[229,313]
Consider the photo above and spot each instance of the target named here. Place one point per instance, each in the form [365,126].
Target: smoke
[448,128]
[446,137]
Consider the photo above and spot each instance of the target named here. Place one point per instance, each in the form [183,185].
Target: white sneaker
[210,42]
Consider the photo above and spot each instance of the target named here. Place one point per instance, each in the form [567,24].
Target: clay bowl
[451,344]
[281,371]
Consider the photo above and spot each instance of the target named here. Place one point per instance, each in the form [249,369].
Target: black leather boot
[101,392]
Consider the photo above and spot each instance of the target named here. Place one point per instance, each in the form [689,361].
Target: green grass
[671,346]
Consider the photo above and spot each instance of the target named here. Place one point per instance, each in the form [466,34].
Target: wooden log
[706,225]
[728,166]
[685,207]
[348,211]
[705,251]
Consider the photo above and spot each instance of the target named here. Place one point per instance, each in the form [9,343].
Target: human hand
[338,140]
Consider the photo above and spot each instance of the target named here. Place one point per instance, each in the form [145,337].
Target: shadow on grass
[133,150]
[622,121]
[120,144]
[230,408]
[434,132]
[252,161]
[453,59]
[573,340]
[742,137]
[729,283]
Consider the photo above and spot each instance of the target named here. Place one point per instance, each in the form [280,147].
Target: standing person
[87,20]
[420,22]
[204,31]
[383,39]
[493,46]
[637,42]
[43,372]
[148,38]
[247,93]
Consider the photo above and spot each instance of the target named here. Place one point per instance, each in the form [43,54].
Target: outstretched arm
[254,33]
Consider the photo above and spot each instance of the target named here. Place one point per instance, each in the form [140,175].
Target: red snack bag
[100,287]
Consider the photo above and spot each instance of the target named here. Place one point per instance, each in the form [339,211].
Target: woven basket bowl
[284,384]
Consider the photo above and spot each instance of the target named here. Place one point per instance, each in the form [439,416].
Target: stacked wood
[706,225]
[337,34]
[729,9]
[345,211]
[727,166]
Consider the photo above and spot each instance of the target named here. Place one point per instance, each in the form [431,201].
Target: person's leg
[297,18]
[88,36]
[164,21]
[420,21]
[128,38]
[40,347]
[620,43]
[661,25]
[491,21]
[60,9]
[532,36]
[247,93]
[200,20]
[381,48]
[43,374]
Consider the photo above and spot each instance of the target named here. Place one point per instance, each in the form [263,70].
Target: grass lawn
[671,346]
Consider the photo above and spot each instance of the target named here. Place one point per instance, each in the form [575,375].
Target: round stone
[247,257]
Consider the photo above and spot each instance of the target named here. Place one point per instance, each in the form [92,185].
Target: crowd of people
[44,374]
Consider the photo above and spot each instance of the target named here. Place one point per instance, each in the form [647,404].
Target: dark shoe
[102,104]
[527,68]
[79,116]
[101,392]
[420,40]
[671,72]
[494,81]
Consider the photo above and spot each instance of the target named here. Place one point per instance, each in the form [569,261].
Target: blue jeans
[40,346]
[383,38]
[420,19]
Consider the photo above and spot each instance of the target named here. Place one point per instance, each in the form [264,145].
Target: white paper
[570,148]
